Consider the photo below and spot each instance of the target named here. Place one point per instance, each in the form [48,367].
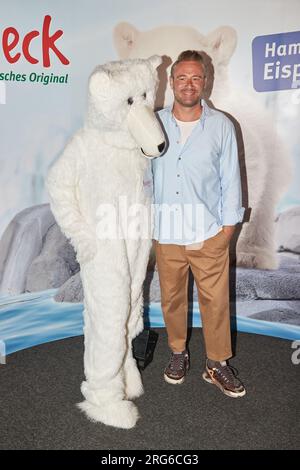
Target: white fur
[101,163]
[265,163]
[121,414]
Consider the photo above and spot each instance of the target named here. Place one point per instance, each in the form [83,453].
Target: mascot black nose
[161,147]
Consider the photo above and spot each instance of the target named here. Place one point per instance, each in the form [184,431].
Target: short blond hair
[188,55]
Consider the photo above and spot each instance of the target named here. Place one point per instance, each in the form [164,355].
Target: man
[197,195]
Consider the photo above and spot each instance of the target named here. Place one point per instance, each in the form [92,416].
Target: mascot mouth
[146,130]
[160,149]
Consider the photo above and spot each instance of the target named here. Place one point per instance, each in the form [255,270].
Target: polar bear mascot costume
[100,177]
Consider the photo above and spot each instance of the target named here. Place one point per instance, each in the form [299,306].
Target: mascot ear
[125,37]
[155,61]
[99,84]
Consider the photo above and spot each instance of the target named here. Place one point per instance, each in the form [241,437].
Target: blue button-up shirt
[197,186]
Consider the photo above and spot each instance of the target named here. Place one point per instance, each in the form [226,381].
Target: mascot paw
[86,251]
[120,414]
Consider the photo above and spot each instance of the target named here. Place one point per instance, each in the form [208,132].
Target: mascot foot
[133,383]
[120,414]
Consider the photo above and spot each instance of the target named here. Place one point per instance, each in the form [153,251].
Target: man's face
[188,83]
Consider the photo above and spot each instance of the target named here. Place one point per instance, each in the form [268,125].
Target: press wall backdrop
[48,50]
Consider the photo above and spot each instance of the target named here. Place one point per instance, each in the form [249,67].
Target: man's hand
[229,231]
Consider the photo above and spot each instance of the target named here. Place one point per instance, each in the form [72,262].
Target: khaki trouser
[210,268]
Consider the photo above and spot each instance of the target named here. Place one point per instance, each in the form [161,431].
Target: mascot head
[121,102]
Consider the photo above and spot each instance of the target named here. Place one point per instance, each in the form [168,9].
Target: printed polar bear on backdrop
[101,165]
[264,163]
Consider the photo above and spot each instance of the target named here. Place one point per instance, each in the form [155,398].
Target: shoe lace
[228,375]
[177,361]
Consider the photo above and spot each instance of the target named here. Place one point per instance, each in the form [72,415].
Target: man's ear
[171,81]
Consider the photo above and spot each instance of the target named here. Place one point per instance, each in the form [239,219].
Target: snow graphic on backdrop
[285,108]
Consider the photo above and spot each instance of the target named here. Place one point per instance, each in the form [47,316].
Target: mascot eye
[130,100]
[144,95]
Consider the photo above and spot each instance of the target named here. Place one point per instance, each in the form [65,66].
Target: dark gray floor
[40,386]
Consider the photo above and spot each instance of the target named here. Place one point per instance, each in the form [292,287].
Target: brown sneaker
[177,368]
[224,378]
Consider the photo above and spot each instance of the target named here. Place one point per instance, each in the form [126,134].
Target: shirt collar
[206,111]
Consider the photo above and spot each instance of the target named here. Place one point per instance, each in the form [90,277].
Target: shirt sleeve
[232,211]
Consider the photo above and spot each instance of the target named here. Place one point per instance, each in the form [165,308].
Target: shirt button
[177,142]
[178,175]
[179,158]
[177,192]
